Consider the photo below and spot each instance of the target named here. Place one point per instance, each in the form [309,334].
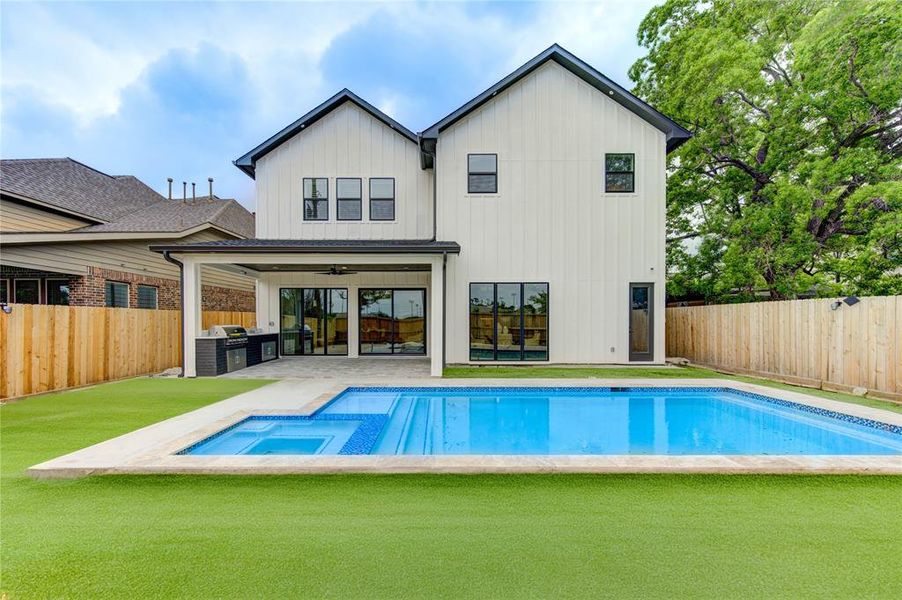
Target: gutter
[434,184]
[168,258]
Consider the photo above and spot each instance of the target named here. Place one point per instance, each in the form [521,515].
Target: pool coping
[154,449]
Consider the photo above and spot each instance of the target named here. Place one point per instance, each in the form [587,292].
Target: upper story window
[482,173]
[316,199]
[619,173]
[348,194]
[382,199]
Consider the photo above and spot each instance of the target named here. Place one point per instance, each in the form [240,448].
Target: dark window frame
[328,308]
[16,288]
[8,288]
[156,296]
[339,199]
[47,289]
[632,173]
[493,173]
[394,196]
[425,351]
[316,200]
[128,291]
[522,285]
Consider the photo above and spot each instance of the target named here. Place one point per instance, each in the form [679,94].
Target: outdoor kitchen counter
[219,354]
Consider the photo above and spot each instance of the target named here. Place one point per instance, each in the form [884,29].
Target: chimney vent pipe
[210,181]
[169,179]
[184,191]
[193,193]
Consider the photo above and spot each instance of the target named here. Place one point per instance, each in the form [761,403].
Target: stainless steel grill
[234,335]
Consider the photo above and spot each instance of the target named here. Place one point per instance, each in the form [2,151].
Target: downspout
[168,258]
[434,184]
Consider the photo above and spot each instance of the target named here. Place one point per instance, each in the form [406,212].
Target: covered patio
[337,302]
[340,368]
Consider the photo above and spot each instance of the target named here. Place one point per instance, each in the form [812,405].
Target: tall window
[147,296]
[348,194]
[482,173]
[314,321]
[4,290]
[382,199]
[393,321]
[508,321]
[619,173]
[116,294]
[316,199]
[57,291]
[27,291]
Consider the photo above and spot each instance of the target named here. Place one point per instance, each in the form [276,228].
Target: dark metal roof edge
[247,162]
[425,248]
[585,72]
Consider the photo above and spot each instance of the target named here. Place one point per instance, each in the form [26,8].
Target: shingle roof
[301,246]
[119,203]
[178,215]
[76,188]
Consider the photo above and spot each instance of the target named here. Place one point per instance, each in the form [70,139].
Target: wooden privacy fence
[801,341]
[44,348]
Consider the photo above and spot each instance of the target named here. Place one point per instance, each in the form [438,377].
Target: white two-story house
[525,227]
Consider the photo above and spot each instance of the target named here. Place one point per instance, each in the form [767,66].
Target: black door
[642,321]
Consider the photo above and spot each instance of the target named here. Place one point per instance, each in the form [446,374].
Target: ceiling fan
[333,270]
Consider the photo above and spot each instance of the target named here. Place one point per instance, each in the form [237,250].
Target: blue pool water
[555,421]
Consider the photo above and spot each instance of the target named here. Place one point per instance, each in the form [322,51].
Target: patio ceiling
[266,267]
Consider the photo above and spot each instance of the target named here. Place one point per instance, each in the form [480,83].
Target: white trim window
[620,173]
[382,198]
[316,199]
[348,194]
[57,291]
[482,173]
[27,290]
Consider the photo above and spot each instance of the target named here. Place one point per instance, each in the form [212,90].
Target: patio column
[436,328]
[191,313]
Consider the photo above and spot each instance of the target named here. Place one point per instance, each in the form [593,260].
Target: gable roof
[676,134]
[114,204]
[75,188]
[248,161]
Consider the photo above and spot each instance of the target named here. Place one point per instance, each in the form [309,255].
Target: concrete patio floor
[364,369]
[154,449]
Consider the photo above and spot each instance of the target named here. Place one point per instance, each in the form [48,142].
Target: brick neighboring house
[70,234]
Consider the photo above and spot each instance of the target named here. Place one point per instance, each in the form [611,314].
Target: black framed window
[316,199]
[57,291]
[313,321]
[382,199]
[147,296]
[619,173]
[348,192]
[116,294]
[482,173]
[4,290]
[508,321]
[393,321]
[27,291]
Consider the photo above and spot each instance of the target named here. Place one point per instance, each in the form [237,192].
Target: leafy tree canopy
[792,182]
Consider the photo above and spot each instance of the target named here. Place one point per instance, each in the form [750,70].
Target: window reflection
[508,321]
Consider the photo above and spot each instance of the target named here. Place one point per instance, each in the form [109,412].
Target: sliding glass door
[393,321]
[508,321]
[313,321]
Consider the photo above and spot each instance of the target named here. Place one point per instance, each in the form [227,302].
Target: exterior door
[642,321]
[313,321]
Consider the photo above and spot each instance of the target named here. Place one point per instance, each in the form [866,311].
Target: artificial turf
[370,536]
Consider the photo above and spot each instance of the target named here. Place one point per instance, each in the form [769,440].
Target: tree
[793,179]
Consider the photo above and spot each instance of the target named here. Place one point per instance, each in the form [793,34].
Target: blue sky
[181,89]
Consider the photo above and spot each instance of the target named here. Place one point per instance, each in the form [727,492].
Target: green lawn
[525,372]
[368,536]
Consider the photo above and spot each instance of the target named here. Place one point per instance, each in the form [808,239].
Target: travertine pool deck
[152,450]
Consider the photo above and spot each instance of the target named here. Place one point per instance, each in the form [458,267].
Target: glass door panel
[409,322]
[290,321]
[482,321]
[314,313]
[535,321]
[509,325]
[641,323]
[375,321]
[337,322]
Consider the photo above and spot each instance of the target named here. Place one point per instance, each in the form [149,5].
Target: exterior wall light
[6,307]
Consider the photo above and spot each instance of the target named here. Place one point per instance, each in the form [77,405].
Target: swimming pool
[555,421]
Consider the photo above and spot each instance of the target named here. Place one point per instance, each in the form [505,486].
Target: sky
[180,90]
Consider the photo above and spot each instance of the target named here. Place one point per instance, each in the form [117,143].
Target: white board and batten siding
[551,220]
[348,142]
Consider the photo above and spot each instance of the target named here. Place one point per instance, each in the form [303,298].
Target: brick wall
[90,290]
